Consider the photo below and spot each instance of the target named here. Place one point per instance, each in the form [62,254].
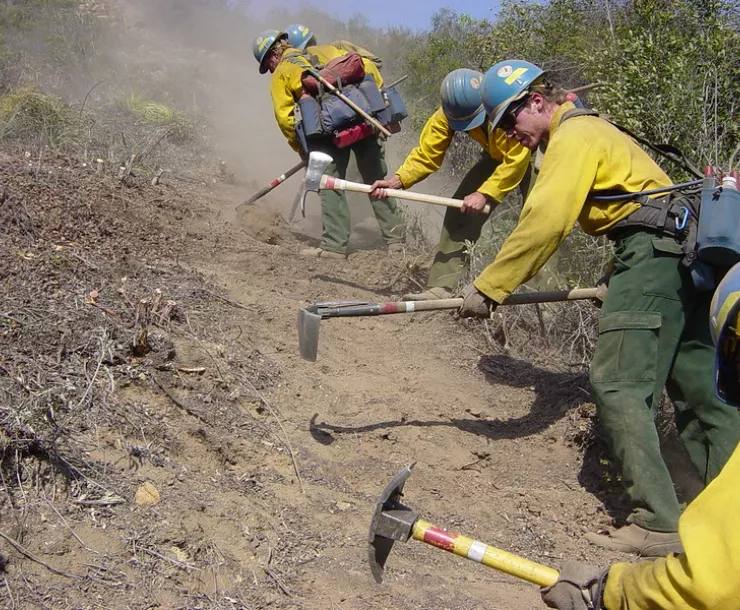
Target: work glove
[475,303]
[580,586]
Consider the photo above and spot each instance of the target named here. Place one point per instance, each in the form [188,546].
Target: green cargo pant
[457,228]
[370,158]
[654,333]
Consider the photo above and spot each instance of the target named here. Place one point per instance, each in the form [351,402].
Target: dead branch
[33,557]
[174,562]
[110,501]
[179,403]
[280,585]
[71,531]
[227,301]
[285,440]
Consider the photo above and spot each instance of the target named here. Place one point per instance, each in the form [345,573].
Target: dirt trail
[487,438]
[221,431]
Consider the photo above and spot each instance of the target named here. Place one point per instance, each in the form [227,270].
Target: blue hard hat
[506,82]
[262,45]
[724,322]
[461,103]
[300,36]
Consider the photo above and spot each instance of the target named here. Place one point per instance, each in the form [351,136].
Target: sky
[413,14]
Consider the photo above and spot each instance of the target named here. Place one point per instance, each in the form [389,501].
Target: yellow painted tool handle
[519,567]
[357,187]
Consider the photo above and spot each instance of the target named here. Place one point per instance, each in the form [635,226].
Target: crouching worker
[653,329]
[287,65]
[503,165]
[705,575]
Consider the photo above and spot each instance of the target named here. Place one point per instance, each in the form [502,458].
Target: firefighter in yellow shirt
[705,575]
[653,330]
[504,165]
[274,54]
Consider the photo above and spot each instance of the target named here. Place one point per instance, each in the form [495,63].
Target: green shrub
[29,115]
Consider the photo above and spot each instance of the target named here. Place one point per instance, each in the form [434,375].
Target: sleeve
[371,68]
[549,214]
[428,156]
[284,107]
[510,172]
[706,575]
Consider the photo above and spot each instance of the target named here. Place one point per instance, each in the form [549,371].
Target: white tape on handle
[477,551]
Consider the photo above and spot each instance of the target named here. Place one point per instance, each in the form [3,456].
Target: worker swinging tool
[326,99]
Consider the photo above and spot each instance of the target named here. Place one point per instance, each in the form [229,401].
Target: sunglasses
[508,119]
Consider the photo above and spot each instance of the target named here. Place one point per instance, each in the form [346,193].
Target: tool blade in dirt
[309,324]
[278,181]
[391,521]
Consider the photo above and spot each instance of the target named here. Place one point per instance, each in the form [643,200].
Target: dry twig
[33,557]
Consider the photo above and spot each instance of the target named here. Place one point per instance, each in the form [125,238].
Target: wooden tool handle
[552,296]
[337,184]
[354,106]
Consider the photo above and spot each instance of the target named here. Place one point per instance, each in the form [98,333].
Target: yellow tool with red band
[393,521]
[490,556]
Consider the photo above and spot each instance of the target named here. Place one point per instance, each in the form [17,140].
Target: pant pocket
[627,347]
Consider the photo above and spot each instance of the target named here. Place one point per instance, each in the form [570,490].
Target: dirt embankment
[163,445]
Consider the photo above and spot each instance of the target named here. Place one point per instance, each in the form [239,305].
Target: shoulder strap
[666,151]
[295,58]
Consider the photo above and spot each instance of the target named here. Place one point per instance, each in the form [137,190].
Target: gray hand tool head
[317,164]
[391,521]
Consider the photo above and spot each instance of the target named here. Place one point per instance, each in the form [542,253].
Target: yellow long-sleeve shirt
[707,575]
[436,138]
[286,87]
[585,155]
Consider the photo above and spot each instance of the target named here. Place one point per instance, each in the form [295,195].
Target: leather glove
[475,303]
[579,587]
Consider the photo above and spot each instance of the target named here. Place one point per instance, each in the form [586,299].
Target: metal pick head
[391,521]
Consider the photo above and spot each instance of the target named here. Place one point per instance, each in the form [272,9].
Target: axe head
[391,521]
[317,164]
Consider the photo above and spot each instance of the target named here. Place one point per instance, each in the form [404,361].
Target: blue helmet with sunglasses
[724,322]
[461,103]
[506,82]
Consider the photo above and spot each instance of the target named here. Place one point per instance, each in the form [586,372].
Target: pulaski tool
[316,181]
[393,521]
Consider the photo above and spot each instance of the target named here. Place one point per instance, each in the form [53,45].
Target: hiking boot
[635,539]
[395,247]
[428,295]
[321,253]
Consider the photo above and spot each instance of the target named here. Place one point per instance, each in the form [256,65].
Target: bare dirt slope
[164,446]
